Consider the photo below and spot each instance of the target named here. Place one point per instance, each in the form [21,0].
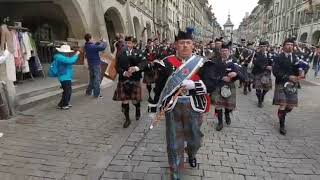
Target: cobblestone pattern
[251,148]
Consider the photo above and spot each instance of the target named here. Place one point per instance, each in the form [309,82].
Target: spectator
[92,50]
[65,75]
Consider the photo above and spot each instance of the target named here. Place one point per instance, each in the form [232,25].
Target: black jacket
[261,62]
[126,60]
[283,67]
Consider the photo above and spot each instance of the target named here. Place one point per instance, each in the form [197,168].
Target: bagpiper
[288,71]
[245,59]
[226,94]
[150,75]
[262,67]
[129,86]
[186,102]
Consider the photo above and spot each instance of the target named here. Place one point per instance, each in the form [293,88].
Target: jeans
[95,80]
[317,69]
[66,94]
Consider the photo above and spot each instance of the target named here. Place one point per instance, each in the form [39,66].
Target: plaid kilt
[281,98]
[227,103]
[135,92]
[149,77]
[257,84]
[182,124]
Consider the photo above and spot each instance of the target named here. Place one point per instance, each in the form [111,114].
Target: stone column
[98,25]
[129,19]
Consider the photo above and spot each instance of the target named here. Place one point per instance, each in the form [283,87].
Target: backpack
[53,70]
[56,69]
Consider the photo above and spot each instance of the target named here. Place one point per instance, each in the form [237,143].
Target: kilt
[281,98]
[248,77]
[257,84]
[135,92]
[227,103]
[149,77]
[182,124]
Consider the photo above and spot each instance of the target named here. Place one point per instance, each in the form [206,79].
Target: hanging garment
[11,68]
[7,66]
[17,50]
[6,39]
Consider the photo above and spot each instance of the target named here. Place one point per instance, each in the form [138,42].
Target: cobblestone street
[89,143]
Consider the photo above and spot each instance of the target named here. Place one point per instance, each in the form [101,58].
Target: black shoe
[193,162]
[228,120]
[219,127]
[138,113]
[283,131]
[126,124]
[245,92]
[260,105]
[138,116]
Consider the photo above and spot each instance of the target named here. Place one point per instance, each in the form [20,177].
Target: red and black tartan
[121,95]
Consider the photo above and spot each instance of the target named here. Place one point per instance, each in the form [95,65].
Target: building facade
[228,29]
[275,20]
[70,20]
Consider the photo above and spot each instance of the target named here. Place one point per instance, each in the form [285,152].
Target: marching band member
[262,73]
[226,96]
[129,87]
[288,71]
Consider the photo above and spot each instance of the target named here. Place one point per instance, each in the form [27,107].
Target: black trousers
[66,94]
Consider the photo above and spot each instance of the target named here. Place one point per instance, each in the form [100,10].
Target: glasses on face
[183,42]
[263,46]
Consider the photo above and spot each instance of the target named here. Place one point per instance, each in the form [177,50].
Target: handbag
[111,72]
[225,91]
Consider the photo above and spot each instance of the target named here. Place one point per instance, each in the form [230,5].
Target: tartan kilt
[281,98]
[135,92]
[257,84]
[149,77]
[227,103]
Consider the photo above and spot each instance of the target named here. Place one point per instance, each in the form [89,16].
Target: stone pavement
[251,148]
[310,77]
[89,143]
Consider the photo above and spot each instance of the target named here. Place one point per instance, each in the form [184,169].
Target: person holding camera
[65,75]
[92,50]
[129,86]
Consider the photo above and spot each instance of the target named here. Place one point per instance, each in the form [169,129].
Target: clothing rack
[18,28]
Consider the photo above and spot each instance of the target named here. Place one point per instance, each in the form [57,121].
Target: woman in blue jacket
[65,75]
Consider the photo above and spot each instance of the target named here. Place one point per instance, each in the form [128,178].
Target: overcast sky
[238,9]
